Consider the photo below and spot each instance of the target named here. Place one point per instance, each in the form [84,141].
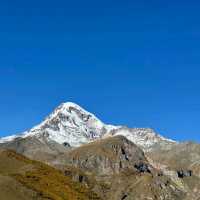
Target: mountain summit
[71,125]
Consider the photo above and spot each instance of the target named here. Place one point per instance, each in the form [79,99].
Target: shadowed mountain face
[89,157]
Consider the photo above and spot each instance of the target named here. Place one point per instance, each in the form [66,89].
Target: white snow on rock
[69,123]
[8,138]
[143,137]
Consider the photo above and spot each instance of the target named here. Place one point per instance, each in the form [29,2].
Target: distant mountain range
[113,162]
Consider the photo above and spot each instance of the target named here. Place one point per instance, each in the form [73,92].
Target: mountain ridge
[72,125]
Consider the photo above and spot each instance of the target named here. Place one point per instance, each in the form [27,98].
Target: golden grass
[48,182]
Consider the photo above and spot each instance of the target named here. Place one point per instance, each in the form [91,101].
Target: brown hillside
[21,178]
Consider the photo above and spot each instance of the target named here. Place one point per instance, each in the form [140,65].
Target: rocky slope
[181,162]
[180,156]
[105,157]
[39,149]
[118,169]
[112,168]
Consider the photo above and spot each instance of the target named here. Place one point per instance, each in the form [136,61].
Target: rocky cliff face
[182,156]
[181,162]
[106,156]
[115,168]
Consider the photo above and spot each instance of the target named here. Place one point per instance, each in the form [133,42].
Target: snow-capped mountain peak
[71,124]
[75,112]
[68,123]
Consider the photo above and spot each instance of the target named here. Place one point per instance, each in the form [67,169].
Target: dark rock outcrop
[184,173]
[142,167]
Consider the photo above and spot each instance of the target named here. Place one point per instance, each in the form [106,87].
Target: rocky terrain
[182,164]
[92,160]
[117,169]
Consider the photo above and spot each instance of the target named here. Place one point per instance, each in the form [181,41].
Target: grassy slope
[39,180]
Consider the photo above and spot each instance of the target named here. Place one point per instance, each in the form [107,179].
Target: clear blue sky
[130,62]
